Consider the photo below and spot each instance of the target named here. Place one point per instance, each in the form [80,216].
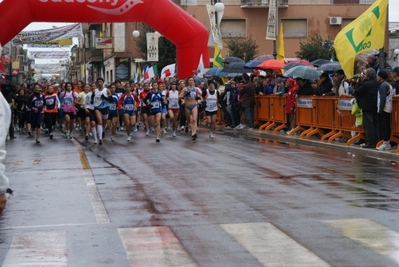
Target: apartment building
[241,19]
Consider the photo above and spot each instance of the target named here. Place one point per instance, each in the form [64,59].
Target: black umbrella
[229,60]
[319,62]
[236,67]
[330,67]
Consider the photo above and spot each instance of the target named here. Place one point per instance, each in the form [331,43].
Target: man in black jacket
[305,87]
[366,97]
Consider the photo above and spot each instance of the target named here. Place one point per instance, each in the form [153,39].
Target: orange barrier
[219,118]
[262,109]
[277,113]
[329,117]
[323,117]
[303,115]
[395,121]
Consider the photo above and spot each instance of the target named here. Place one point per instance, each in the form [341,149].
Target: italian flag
[151,73]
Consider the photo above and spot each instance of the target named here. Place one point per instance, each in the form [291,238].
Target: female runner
[127,103]
[191,95]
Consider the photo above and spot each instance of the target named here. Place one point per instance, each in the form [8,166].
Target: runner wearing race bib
[101,99]
[162,90]
[191,95]
[36,105]
[70,109]
[145,108]
[89,109]
[212,99]
[172,97]
[51,109]
[113,113]
[155,101]
[127,103]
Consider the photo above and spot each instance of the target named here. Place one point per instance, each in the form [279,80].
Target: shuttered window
[233,28]
[295,28]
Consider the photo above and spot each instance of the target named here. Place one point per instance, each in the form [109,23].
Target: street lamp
[136,32]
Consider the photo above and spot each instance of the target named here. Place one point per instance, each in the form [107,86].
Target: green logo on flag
[365,25]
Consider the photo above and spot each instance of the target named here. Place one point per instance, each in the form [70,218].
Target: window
[233,28]
[295,28]
[345,22]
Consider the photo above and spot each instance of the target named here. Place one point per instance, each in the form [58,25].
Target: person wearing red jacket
[292,91]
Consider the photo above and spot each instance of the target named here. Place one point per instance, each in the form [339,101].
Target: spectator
[340,86]
[366,96]
[8,91]
[229,98]
[247,93]
[292,90]
[372,62]
[304,86]
[387,66]
[280,85]
[5,119]
[324,85]
[384,109]
[259,85]
[395,84]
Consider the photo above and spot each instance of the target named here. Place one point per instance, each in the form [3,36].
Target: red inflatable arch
[189,35]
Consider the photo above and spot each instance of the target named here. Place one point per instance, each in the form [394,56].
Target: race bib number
[154,105]
[173,103]
[212,105]
[128,107]
[49,101]
[112,106]
[38,104]
[68,102]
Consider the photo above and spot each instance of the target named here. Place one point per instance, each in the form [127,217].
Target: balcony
[262,3]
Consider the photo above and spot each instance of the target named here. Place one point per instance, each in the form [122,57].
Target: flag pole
[276,30]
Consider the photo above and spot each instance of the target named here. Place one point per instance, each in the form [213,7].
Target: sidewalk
[312,141]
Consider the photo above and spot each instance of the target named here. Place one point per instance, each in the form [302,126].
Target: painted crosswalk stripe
[43,249]
[370,234]
[271,247]
[154,246]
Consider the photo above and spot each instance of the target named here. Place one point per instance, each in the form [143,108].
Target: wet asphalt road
[205,192]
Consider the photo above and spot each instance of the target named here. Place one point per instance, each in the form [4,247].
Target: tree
[315,48]
[245,49]
[166,49]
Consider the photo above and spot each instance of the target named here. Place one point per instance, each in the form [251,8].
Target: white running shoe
[113,138]
[147,133]
[174,134]
[95,141]
[211,135]
[129,138]
[384,146]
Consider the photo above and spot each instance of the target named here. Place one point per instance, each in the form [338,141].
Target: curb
[313,141]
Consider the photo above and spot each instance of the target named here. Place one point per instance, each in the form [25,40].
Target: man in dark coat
[247,94]
[366,91]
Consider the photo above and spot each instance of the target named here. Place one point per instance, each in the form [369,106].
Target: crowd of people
[176,105]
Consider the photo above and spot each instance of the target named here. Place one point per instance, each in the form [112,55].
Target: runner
[172,97]
[21,101]
[112,120]
[191,95]
[51,109]
[86,120]
[90,115]
[101,97]
[35,104]
[127,103]
[145,109]
[164,124]
[80,115]
[212,99]
[119,91]
[155,101]
[70,98]
[28,113]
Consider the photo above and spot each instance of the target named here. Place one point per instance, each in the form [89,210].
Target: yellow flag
[280,48]
[365,33]
[217,58]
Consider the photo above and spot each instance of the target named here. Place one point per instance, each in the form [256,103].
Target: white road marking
[96,201]
[43,249]
[154,246]
[272,247]
[369,234]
